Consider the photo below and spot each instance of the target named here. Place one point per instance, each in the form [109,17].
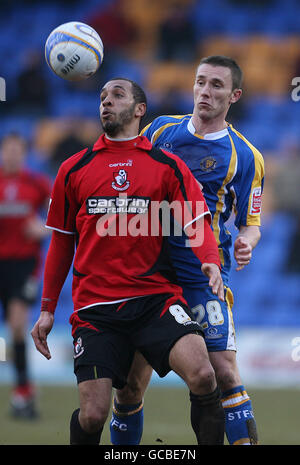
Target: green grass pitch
[166,417]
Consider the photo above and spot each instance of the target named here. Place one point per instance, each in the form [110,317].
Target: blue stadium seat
[25,126]
[75,104]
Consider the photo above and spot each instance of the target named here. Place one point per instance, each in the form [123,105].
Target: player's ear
[140,109]
[236,95]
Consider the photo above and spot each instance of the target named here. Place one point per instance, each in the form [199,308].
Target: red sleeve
[58,261]
[203,243]
[62,206]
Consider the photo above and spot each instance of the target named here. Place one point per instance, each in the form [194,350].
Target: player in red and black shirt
[22,195]
[105,203]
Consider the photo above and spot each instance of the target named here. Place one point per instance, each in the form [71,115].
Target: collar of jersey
[140,142]
[209,136]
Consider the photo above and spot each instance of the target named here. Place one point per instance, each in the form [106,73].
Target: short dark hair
[137,92]
[226,62]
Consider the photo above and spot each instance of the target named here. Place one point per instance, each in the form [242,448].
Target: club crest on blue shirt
[120,182]
[208,164]
[166,146]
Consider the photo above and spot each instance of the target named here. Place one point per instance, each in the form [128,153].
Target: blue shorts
[214,316]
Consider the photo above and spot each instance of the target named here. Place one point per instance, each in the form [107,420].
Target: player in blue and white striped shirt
[231,171]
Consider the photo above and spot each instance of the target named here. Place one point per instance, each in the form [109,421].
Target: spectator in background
[176,36]
[116,32]
[32,88]
[70,144]
[74,135]
[113,27]
[22,195]
[167,104]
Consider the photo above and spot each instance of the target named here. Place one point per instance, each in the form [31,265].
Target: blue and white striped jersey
[231,171]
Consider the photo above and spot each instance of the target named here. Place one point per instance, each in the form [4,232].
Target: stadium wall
[268,358]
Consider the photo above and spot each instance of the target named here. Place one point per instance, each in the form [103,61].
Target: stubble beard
[113,128]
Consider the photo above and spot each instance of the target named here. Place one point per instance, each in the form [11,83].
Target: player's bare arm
[58,262]
[245,242]
[35,229]
[40,332]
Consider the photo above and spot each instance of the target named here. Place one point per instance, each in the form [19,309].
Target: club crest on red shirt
[120,182]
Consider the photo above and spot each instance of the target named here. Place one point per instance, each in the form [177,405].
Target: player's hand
[212,271]
[242,252]
[35,229]
[40,332]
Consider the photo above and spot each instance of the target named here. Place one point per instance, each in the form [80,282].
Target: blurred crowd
[159,46]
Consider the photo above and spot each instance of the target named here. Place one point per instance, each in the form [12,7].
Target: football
[74,51]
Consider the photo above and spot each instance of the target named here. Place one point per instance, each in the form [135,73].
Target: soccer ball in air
[74,51]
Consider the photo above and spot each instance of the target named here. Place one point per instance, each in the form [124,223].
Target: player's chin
[111,128]
[106,119]
[206,112]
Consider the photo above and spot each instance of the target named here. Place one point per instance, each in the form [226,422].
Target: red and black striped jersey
[116,199]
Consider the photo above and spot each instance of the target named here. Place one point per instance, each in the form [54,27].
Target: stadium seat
[170,75]
[222,45]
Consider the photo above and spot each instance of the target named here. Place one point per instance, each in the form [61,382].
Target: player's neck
[119,138]
[127,132]
[208,126]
